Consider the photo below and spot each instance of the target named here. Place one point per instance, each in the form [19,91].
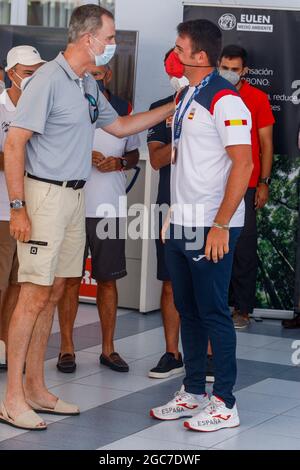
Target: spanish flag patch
[236,122]
[192,114]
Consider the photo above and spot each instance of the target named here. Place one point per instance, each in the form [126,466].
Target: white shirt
[216,118]
[7,113]
[104,189]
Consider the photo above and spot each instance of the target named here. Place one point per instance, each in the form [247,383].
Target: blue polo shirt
[54,108]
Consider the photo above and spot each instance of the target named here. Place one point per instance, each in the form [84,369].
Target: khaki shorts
[57,241]
[8,257]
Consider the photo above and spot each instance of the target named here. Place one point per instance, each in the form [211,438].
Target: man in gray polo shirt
[55,122]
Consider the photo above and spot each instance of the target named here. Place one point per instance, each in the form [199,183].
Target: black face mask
[101,85]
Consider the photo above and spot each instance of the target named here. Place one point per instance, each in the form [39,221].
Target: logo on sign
[227,21]
[255,23]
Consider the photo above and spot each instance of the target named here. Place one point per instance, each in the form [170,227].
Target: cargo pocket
[36,195]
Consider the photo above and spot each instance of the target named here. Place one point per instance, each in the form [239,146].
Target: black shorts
[162,269]
[108,255]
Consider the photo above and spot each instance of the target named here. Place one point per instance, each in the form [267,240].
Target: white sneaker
[216,416]
[183,405]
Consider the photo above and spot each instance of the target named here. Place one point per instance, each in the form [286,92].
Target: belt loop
[64,185]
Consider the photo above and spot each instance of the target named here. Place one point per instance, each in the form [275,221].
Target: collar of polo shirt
[66,66]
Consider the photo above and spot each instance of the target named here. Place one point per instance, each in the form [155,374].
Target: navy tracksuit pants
[201,298]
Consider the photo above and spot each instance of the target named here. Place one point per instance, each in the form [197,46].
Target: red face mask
[173,66]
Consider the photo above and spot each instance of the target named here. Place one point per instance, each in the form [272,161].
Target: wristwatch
[17,204]
[124,163]
[266,180]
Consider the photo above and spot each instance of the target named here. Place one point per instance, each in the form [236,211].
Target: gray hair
[86,19]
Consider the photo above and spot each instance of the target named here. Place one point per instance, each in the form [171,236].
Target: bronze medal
[174,155]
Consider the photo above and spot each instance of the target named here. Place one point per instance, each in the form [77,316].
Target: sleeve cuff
[28,127]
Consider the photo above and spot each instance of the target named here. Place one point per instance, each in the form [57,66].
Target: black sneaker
[3,366]
[210,376]
[167,365]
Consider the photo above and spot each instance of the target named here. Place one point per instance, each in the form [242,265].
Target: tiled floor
[115,407]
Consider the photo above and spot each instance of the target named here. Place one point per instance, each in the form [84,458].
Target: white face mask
[24,82]
[2,86]
[178,83]
[21,86]
[230,76]
[106,56]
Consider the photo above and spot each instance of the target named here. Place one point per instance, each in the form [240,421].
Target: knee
[39,302]
[57,291]
[72,283]
[107,286]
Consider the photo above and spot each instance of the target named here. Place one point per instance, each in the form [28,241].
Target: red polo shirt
[261,112]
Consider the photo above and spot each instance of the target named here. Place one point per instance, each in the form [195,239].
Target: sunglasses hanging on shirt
[93,106]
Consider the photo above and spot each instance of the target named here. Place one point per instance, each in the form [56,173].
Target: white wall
[18,12]
[156,21]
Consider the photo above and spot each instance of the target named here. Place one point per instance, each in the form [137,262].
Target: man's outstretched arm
[133,124]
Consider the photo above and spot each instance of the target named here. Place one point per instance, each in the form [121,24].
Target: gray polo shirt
[53,106]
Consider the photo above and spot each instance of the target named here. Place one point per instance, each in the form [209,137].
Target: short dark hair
[167,54]
[205,36]
[232,51]
[86,19]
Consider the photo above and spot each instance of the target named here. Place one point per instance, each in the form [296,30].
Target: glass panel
[108,4]
[56,13]
[5,7]
[50,13]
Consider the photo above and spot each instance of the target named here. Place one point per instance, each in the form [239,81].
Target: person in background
[112,157]
[233,66]
[160,149]
[159,144]
[22,62]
